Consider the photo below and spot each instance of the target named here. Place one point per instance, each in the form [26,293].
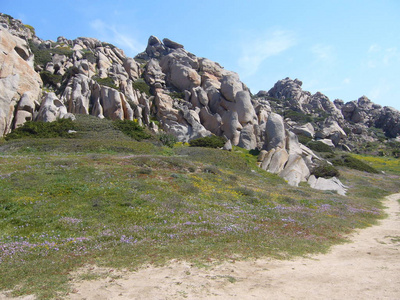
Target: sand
[366,268]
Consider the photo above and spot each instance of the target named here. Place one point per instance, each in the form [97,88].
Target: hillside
[168,89]
[98,164]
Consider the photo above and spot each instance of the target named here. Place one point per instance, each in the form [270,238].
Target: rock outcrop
[17,78]
[189,96]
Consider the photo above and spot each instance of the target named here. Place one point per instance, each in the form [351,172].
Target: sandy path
[366,268]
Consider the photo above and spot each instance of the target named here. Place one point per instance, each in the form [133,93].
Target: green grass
[104,199]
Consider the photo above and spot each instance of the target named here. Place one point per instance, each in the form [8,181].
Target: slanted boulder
[324,184]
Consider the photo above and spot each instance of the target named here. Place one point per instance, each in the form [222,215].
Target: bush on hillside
[41,129]
[319,146]
[87,54]
[141,86]
[166,139]
[41,54]
[30,28]
[326,170]
[212,141]
[297,116]
[304,139]
[50,79]
[132,129]
[105,81]
[353,163]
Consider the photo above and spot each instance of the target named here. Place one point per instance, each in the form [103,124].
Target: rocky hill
[167,88]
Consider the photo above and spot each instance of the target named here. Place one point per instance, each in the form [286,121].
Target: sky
[342,48]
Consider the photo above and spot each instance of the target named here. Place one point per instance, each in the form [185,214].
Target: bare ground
[366,268]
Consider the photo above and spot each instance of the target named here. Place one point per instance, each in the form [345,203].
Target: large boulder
[275,132]
[330,184]
[17,76]
[296,170]
[230,86]
[305,129]
[52,109]
[331,130]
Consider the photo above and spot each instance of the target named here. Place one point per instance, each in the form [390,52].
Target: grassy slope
[104,199]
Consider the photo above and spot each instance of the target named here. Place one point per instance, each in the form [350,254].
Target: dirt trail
[366,268]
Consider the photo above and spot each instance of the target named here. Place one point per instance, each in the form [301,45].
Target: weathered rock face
[196,97]
[51,109]
[389,121]
[342,123]
[17,77]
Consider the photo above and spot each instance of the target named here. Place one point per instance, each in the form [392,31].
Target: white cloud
[347,81]
[374,48]
[113,34]
[379,90]
[257,50]
[382,57]
[323,53]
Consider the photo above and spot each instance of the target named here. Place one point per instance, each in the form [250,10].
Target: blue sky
[342,48]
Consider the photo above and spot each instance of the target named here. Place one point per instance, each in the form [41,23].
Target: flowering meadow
[122,204]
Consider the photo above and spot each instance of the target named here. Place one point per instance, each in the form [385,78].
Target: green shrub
[108,45]
[30,28]
[304,139]
[41,54]
[166,139]
[325,170]
[319,146]
[67,51]
[177,95]
[50,79]
[353,163]
[41,129]
[72,71]
[105,81]
[132,129]
[87,54]
[212,141]
[297,116]
[141,86]
[347,130]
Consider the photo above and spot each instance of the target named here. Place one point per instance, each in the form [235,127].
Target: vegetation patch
[211,141]
[50,79]
[87,54]
[353,163]
[319,146]
[325,170]
[30,28]
[141,86]
[42,55]
[41,129]
[297,116]
[167,139]
[105,81]
[132,129]
[177,95]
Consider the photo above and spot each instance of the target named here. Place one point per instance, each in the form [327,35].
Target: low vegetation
[103,198]
[105,81]
[212,141]
[141,86]
[132,129]
[319,146]
[353,163]
[59,128]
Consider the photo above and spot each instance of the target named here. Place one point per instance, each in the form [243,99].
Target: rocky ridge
[170,89]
